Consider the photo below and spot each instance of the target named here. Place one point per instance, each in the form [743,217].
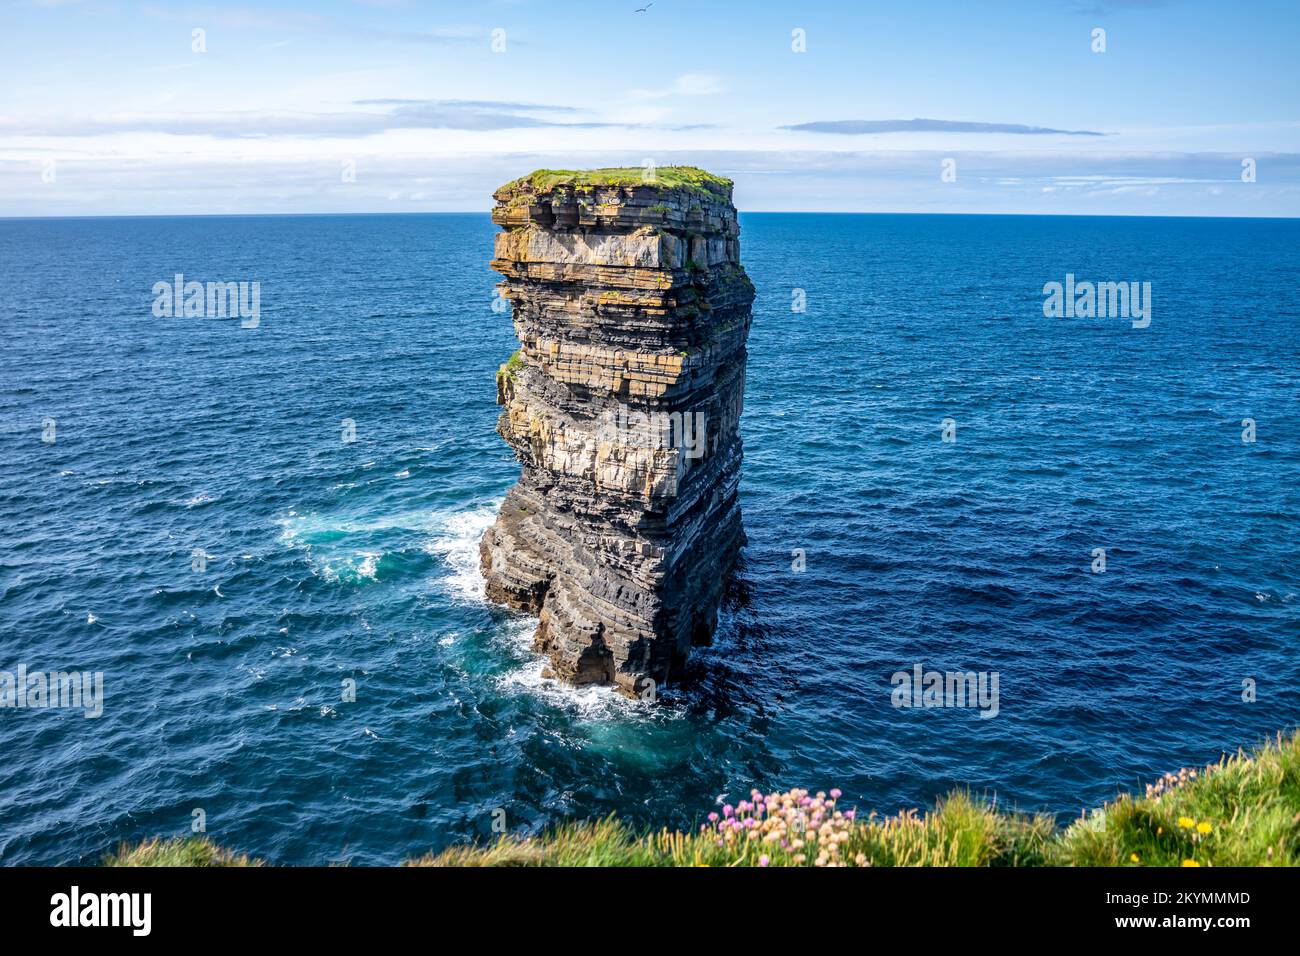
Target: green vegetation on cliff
[510,367]
[1242,811]
[186,851]
[689,178]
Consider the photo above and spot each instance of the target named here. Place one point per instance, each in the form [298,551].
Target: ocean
[295,649]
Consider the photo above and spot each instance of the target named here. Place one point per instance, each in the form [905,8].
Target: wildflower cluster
[1194,829]
[1170,782]
[1198,830]
[791,824]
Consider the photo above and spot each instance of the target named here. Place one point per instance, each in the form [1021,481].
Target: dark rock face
[623,405]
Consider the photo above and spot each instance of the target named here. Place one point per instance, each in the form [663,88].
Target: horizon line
[743,212]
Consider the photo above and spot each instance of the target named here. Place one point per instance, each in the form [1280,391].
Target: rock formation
[623,405]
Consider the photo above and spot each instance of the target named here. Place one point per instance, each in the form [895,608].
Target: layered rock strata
[623,405]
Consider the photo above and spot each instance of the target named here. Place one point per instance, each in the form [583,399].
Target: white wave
[323,541]
[313,528]
[591,702]
[369,564]
[456,536]
[452,536]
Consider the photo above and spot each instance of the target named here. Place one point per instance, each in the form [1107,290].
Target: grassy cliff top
[689,178]
[1242,811]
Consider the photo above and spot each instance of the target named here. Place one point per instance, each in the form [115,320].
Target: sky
[974,106]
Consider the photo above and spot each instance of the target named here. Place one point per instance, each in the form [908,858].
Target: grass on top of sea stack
[689,178]
[1242,811]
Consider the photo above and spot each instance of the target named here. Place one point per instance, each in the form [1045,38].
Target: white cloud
[688,84]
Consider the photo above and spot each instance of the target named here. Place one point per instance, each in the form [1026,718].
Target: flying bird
[643,9]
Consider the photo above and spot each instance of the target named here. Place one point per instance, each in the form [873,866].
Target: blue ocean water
[333,561]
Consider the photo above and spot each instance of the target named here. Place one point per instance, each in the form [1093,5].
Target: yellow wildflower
[1186,822]
[1190,863]
[1204,827]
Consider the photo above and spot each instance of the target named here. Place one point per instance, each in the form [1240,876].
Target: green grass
[692,179]
[960,832]
[1242,811]
[178,851]
[1251,805]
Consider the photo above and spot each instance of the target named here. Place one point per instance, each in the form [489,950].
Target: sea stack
[623,405]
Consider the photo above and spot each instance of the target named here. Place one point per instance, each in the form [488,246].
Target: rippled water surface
[333,561]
